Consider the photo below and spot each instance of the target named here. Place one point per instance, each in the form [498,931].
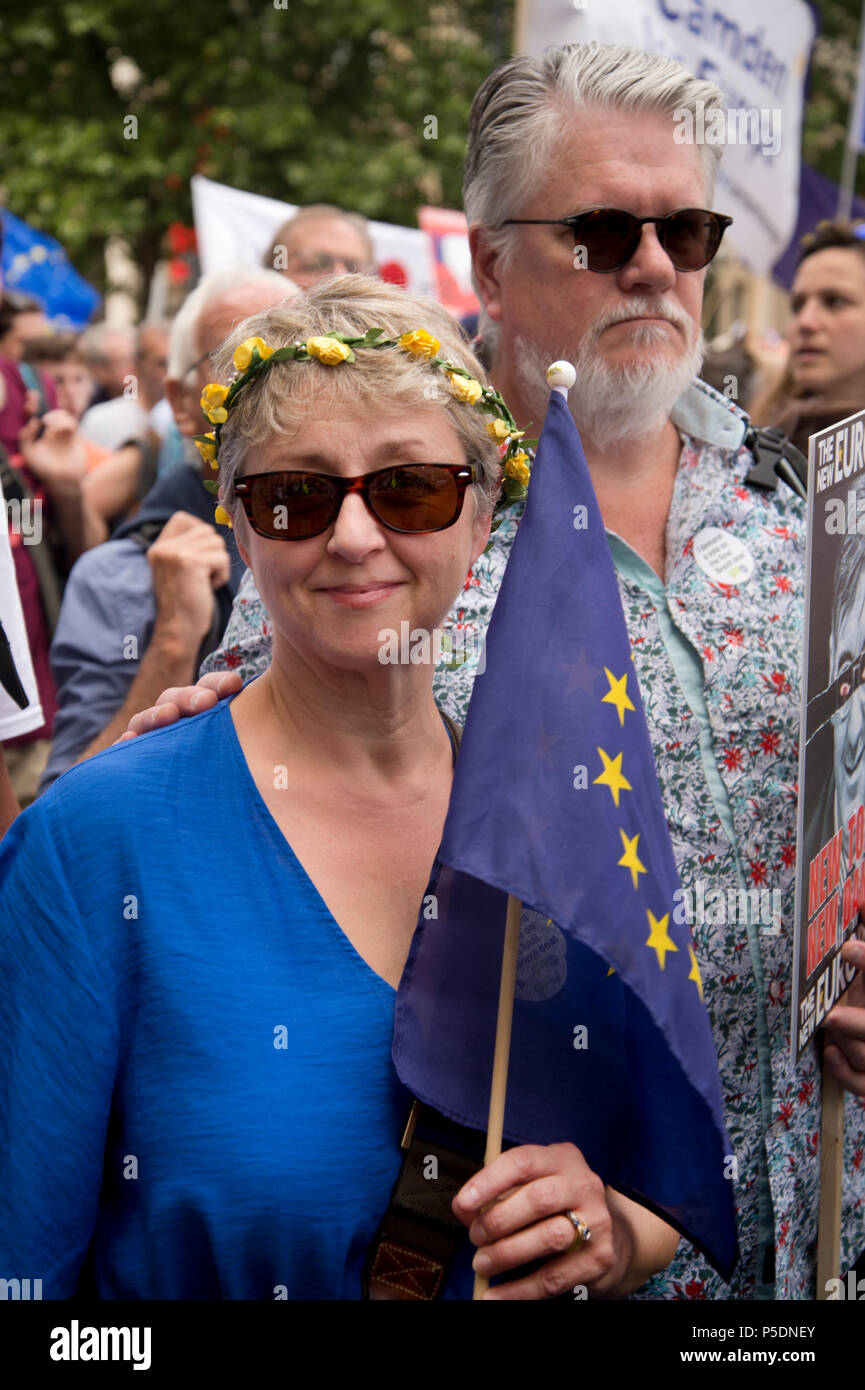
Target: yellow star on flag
[612,776]
[695,971]
[611,971]
[630,859]
[659,937]
[617,694]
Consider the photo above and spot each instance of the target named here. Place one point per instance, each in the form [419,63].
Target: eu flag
[556,800]
[36,264]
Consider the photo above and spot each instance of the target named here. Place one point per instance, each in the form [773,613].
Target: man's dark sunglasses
[690,237]
[412,498]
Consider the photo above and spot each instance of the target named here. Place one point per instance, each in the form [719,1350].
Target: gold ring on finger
[582,1234]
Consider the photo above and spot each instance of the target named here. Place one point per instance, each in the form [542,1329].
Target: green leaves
[311,103]
[832,89]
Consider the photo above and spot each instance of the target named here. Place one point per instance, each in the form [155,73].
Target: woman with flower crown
[203,929]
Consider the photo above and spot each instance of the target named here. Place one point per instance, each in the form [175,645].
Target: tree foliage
[313,102]
[832,88]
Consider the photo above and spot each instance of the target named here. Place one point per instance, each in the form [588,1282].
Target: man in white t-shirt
[17,681]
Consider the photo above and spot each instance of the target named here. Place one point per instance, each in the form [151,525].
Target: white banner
[757,52]
[236,228]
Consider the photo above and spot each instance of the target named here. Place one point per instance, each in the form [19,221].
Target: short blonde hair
[280,398]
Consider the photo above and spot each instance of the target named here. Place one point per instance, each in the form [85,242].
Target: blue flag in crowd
[556,800]
[36,264]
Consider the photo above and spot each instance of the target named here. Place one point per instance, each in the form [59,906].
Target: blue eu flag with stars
[36,264]
[556,800]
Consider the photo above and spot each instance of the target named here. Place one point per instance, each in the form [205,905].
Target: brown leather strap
[411,1255]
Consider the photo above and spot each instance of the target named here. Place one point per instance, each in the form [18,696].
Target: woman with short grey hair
[204,929]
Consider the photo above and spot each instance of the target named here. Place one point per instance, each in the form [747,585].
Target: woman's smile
[361,595]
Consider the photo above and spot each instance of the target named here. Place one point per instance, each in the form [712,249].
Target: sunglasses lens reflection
[415,499]
[610,238]
[293,506]
[690,238]
[296,506]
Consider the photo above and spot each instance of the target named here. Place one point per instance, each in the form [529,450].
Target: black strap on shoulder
[413,1249]
[145,534]
[775,456]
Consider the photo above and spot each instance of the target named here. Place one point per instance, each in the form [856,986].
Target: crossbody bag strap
[413,1249]
[775,456]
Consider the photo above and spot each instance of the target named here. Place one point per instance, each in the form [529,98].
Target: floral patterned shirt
[727,762]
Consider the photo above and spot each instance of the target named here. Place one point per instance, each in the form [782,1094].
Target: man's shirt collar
[704,413]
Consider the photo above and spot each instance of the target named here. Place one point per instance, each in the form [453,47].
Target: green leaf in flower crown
[371,335]
[211,485]
[513,490]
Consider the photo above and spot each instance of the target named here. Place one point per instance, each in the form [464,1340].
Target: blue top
[195,1062]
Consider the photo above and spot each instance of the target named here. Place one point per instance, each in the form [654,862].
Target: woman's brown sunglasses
[412,498]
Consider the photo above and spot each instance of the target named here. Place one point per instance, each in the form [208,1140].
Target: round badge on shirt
[723,557]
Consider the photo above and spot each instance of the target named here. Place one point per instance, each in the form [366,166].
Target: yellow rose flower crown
[254,356]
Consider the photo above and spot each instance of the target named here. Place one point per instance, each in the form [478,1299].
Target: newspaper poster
[831,833]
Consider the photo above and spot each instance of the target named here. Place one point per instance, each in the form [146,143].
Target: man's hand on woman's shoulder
[182,700]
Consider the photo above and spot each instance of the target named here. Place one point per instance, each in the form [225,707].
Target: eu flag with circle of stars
[556,800]
[36,264]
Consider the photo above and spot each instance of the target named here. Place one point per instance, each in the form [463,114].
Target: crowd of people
[97,433]
[123,931]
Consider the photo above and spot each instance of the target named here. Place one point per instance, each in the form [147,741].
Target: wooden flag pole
[501,1057]
[831,1176]
[560,377]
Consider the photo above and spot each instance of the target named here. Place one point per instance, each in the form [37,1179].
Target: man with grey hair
[594,250]
[142,611]
[318,240]
[591,228]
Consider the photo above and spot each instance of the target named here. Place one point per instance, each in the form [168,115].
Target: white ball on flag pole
[561,377]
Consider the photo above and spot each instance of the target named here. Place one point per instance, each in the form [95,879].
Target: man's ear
[484,264]
[186,407]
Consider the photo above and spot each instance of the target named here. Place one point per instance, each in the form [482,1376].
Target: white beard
[614,404]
